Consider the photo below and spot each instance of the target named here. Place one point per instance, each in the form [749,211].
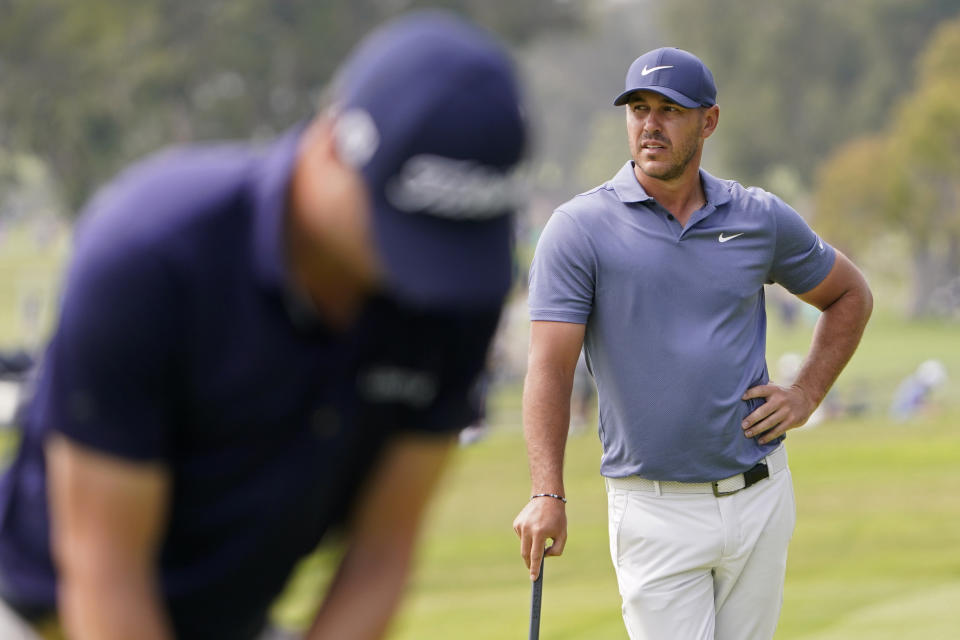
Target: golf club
[535,599]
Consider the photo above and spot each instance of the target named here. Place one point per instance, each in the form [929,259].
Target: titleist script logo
[450,188]
[398,384]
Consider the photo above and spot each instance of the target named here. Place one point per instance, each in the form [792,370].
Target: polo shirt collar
[716,190]
[628,188]
[270,182]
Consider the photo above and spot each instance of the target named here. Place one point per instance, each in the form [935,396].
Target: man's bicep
[107,513]
[563,272]
[556,344]
[844,277]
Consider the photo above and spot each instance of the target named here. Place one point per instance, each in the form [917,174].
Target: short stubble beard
[688,152]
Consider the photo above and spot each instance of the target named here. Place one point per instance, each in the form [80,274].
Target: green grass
[876,552]
[31,256]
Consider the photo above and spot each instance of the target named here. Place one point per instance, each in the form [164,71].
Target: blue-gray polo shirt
[179,341]
[675,319]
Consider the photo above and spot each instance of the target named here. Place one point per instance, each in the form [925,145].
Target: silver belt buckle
[741,482]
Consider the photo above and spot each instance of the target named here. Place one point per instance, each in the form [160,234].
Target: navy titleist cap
[428,109]
[674,73]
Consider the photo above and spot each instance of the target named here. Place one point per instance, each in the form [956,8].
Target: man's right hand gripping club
[543,518]
[551,361]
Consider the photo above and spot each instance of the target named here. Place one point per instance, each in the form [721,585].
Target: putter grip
[535,598]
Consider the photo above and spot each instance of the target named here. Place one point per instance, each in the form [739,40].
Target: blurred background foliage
[848,109]
[90,85]
[905,177]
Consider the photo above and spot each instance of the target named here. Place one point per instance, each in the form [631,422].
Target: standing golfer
[258,345]
[659,273]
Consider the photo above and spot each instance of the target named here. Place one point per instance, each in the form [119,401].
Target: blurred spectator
[853,402]
[15,363]
[915,392]
[15,367]
[479,397]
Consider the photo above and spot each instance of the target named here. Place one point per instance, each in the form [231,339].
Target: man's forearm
[546,420]
[104,608]
[365,594]
[835,338]
[107,517]
[370,581]
[554,347]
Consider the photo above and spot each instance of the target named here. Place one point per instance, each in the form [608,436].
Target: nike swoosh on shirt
[646,72]
[723,238]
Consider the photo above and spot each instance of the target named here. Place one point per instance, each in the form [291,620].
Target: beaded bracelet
[549,495]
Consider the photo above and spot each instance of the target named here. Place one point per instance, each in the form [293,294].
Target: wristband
[549,495]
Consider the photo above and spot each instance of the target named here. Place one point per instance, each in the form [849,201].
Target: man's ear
[710,121]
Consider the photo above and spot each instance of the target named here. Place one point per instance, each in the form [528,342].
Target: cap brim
[444,264]
[676,96]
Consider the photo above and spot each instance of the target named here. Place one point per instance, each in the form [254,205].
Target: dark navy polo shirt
[179,341]
[675,319]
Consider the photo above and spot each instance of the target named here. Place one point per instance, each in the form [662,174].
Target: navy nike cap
[674,73]
[428,109]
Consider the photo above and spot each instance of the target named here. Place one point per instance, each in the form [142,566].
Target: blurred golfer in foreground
[257,345]
[659,275]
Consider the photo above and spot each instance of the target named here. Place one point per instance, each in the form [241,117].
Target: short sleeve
[563,273]
[466,348]
[105,377]
[801,258]
[424,372]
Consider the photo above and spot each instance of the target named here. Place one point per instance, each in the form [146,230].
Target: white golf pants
[698,566]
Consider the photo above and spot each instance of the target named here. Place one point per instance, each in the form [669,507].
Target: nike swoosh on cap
[646,72]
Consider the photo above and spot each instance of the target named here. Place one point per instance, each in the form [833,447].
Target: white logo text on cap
[451,188]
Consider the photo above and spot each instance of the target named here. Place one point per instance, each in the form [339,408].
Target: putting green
[931,614]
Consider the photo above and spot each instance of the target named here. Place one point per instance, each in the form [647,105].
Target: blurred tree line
[856,101]
[796,79]
[905,178]
[848,100]
[90,85]
[849,110]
